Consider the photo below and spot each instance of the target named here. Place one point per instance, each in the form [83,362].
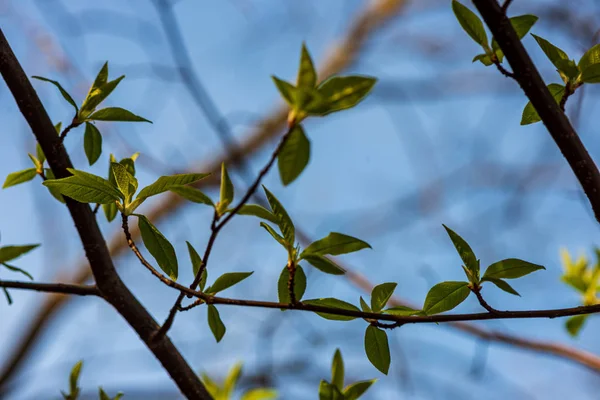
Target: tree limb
[62,288]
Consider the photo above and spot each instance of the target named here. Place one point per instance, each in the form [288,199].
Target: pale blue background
[438,142]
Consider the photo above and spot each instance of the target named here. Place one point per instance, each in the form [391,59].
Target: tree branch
[63,288]
[107,279]
[535,89]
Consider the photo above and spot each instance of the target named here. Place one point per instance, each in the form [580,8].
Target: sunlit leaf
[471,23]
[510,268]
[340,93]
[19,177]
[530,115]
[227,280]
[381,294]
[165,183]
[445,296]
[116,114]
[335,244]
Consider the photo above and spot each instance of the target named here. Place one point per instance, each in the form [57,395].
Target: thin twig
[505,6]
[484,303]
[80,290]
[63,134]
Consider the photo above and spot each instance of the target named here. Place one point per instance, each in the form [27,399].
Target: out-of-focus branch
[342,55]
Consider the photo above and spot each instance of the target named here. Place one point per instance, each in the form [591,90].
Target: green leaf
[335,244]
[161,249]
[274,234]
[102,394]
[165,183]
[85,188]
[40,153]
[287,91]
[340,93]
[116,114]
[381,294]
[530,115]
[232,378]
[328,391]
[402,311]
[294,156]
[553,53]
[74,378]
[110,211]
[521,24]
[260,394]
[575,323]
[257,211]
[214,321]
[591,74]
[192,194]
[485,59]
[58,128]
[64,93]
[36,163]
[337,370]
[470,23]
[283,219]
[97,95]
[334,303]
[19,270]
[307,76]
[324,264]
[355,390]
[194,259]
[510,268]
[364,306]
[55,193]
[122,179]
[503,285]
[445,296]
[466,254]
[227,280]
[16,178]
[211,386]
[299,285]
[92,143]
[591,57]
[227,192]
[377,348]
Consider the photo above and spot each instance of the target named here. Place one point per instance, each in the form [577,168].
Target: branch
[62,288]
[103,270]
[535,89]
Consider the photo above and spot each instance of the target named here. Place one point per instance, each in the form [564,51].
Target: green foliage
[85,188]
[214,322]
[92,143]
[74,389]
[166,183]
[299,285]
[530,115]
[377,348]
[403,311]
[226,390]
[470,23]
[63,92]
[333,303]
[104,396]
[335,389]
[307,76]
[10,253]
[324,264]
[510,268]
[381,294]
[445,296]
[328,391]
[226,281]
[293,156]
[467,255]
[192,194]
[283,220]
[575,323]
[157,244]
[195,260]
[19,177]
[337,370]
[226,193]
[116,114]
[257,211]
[335,244]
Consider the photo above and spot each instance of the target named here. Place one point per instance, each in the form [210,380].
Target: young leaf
[194,259]
[116,114]
[92,143]
[340,93]
[36,163]
[364,306]
[260,394]
[110,211]
[503,285]
[64,93]
[294,156]
[324,264]
[16,178]
[227,280]
[192,194]
[355,390]
[591,74]
[165,183]
[9,253]
[231,380]
[402,311]
[510,268]
[214,321]
[445,296]
[257,211]
[161,249]
[85,188]
[337,370]
[55,193]
[470,23]
[97,96]
[591,57]
[299,285]
[227,191]
[283,219]
[575,323]
[19,270]
[521,24]
[274,234]
[553,53]
[328,391]
[287,91]
[122,179]
[335,244]
[530,115]
[381,294]
[335,303]
[74,379]
[307,76]
[485,59]
[465,252]
[40,153]
[377,348]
